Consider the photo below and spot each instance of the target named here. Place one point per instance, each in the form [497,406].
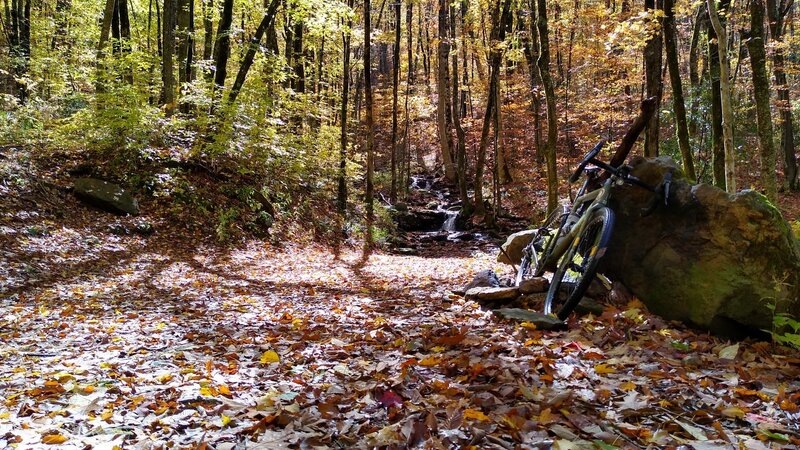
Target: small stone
[118,229]
[143,227]
[488,294]
[598,289]
[405,251]
[587,305]
[541,321]
[533,301]
[692,361]
[534,285]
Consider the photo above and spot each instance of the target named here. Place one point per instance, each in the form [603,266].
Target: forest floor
[172,341]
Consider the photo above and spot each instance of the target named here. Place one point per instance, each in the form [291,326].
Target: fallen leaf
[733,412]
[603,369]
[270,356]
[389,399]
[696,432]
[476,415]
[729,352]
[54,439]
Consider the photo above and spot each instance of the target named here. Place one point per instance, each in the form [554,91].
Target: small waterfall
[449,224]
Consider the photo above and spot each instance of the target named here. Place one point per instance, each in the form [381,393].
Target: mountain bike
[573,248]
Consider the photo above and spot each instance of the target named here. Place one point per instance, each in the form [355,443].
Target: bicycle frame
[598,198]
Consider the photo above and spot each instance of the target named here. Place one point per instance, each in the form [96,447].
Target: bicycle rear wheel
[578,265]
[536,252]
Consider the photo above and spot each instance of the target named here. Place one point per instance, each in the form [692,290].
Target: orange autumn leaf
[474,414]
[54,439]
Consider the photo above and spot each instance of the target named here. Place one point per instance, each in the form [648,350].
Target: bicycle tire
[578,266]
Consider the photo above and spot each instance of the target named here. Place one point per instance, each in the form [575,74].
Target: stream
[429,219]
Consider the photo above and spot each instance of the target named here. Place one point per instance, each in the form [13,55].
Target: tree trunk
[495,58]
[725,95]
[758,64]
[670,45]
[341,199]
[409,81]
[115,33]
[183,41]
[167,70]
[694,72]
[653,85]
[717,147]
[222,47]
[125,36]
[532,54]
[252,48]
[395,89]
[776,14]
[208,29]
[443,93]
[461,147]
[105,31]
[299,81]
[369,141]
[543,64]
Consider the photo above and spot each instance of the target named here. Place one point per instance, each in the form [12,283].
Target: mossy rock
[106,196]
[711,259]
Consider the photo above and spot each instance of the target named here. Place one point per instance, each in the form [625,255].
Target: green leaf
[603,446]
[682,346]
[776,436]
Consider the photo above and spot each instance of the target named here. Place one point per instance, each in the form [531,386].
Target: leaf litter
[174,342]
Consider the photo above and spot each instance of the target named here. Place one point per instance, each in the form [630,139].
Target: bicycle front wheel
[577,267]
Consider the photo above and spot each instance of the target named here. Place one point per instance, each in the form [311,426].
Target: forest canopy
[272,98]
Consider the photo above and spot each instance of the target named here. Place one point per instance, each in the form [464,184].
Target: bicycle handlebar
[662,193]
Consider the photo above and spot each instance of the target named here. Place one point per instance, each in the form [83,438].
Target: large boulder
[107,196]
[711,259]
[511,250]
[419,219]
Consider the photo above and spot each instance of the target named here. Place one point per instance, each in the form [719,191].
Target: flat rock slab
[587,305]
[106,196]
[541,321]
[534,285]
[489,294]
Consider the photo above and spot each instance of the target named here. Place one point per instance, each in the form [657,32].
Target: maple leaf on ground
[389,399]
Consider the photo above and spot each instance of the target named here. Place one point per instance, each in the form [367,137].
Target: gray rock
[598,289]
[484,278]
[541,321]
[711,259]
[106,196]
[143,227]
[513,246]
[534,285]
[587,305]
[419,219]
[489,294]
